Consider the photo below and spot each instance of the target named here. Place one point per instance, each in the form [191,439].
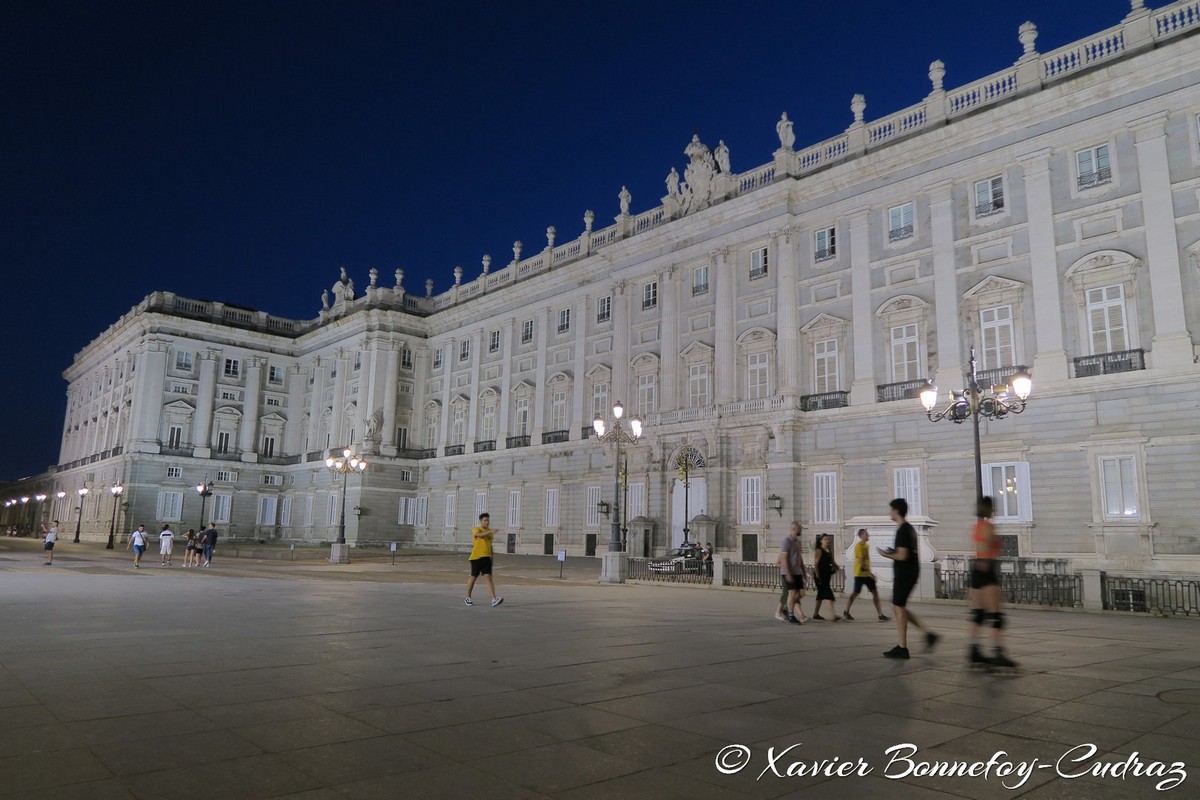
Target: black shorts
[902,588]
[867,583]
[49,546]
[985,572]
[481,566]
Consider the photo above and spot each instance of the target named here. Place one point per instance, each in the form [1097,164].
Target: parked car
[679,560]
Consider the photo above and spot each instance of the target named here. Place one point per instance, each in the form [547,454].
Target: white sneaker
[497,601]
[468,601]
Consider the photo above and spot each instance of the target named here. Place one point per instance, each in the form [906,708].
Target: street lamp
[618,434]
[205,492]
[974,402]
[343,465]
[40,498]
[58,511]
[688,459]
[24,505]
[112,526]
[82,492]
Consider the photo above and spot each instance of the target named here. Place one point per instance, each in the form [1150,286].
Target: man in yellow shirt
[863,577]
[481,559]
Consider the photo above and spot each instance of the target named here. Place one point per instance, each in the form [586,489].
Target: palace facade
[771,327]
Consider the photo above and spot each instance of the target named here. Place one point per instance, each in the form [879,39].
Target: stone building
[772,327]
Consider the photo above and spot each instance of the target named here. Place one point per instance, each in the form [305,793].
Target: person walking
[791,577]
[51,535]
[824,566]
[189,549]
[210,542]
[481,559]
[166,543]
[863,577]
[985,590]
[906,571]
[137,542]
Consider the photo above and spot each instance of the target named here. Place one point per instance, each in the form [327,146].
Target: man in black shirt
[906,570]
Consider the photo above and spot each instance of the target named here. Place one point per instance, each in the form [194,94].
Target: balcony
[824,254]
[1099,177]
[455,449]
[428,452]
[516,441]
[699,289]
[898,234]
[485,446]
[999,376]
[989,208]
[554,437]
[819,402]
[758,272]
[1110,363]
[905,390]
[405,452]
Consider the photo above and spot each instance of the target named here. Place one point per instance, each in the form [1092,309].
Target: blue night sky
[243,151]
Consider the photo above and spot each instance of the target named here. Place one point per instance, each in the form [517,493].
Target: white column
[391,388]
[787,301]
[1050,361]
[416,428]
[148,395]
[725,366]
[579,415]
[449,354]
[862,390]
[293,442]
[507,332]
[476,367]
[320,370]
[248,432]
[337,421]
[539,370]
[1172,343]
[945,287]
[620,354]
[205,397]
[668,390]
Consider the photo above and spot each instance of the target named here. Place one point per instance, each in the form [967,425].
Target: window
[750,511]
[358,361]
[406,476]
[1119,487]
[558,411]
[181,388]
[564,320]
[758,376]
[413,511]
[825,366]
[700,280]
[437,358]
[647,394]
[451,509]
[331,516]
[996,327]
[406,358]
[824,244]
[593,507]
[274,401]
[825,510]
[1093,166]
[600,399]
[226,394]
[268,506]
[183,361]
[431,429]
[174,437]
[637,501]
[233,368]
[494,342]
[604,309]
[550,519]
[222,507]
[274,375]
[268,447]
[481,503]
[1008,486]
[900,222]
[522,418]
[170,506]
[458,424]
[226,476]
[650,295]
[905,362]
[527,331]
[223,441]
[1106,319]
[908,485]
[514,508]
[989,197]
[698,395]
[758,263]
[272,480]
[285,511]
[174,472]
[488,428]
[464,350]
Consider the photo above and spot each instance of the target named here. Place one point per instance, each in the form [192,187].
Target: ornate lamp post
[344,464]
[974,402]
[82,492]
[58,511]
[688,459]
[24,505]
[112,526]
[618,433]
[40,498]
[205,492]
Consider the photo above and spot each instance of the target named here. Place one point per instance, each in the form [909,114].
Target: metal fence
[639,570]
[1152,595]
[1017,588]
[756,575]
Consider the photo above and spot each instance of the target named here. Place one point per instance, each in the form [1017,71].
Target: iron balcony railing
[903,232]
[824,254]
[997,376]
[818,402]
[1095,178]
[455,449]
[1110,363]
[516,441]
[904,390]
[486,446]
[554,437]
[699,289]
[989,208]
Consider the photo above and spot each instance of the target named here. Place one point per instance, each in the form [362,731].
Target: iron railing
[455,449]
[818,402]
[554,437]
[904,390]
[1110,363]
[485,446]
[516,441]
[1175,596]
[1016,588]
[639,570]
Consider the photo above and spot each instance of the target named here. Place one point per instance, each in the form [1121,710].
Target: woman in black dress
[824,565]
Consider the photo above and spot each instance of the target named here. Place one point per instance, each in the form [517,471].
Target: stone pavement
[258,679]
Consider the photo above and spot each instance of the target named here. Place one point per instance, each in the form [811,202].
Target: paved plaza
[264,678]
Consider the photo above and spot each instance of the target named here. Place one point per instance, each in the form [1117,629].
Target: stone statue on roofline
[721,154]
[624,197]
[672,183]
[787,137]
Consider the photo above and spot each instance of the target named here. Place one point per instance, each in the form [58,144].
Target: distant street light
[82,491]
[348,462]
[618,433]
[112,526]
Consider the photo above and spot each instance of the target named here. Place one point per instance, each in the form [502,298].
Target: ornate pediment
[756,336]
[559,377]
[904,302]
[696,351]
[824,321]
[600,372]
[993,284]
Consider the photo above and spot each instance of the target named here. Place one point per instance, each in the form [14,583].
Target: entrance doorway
[589,544]
[697,503]
[749,547]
